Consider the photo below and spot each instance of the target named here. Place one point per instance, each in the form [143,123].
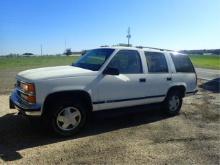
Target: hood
[54,72]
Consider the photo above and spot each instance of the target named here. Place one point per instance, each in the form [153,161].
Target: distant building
[27,54]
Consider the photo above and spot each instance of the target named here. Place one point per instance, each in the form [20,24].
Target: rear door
[158,76]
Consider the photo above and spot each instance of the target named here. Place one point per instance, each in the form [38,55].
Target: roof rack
[103,46]
[141,47]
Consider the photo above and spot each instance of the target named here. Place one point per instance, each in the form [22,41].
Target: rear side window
[182,63]
[156,62]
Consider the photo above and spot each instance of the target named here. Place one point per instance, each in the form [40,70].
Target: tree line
[202,51]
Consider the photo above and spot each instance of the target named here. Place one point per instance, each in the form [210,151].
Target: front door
[126,88]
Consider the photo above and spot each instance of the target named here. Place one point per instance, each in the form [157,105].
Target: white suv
[104,78]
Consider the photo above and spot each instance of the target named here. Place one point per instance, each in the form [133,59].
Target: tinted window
[156,62]
[127,62]
[182,63]
[94,59]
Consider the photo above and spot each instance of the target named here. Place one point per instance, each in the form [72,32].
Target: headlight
[27,91]
[27,87]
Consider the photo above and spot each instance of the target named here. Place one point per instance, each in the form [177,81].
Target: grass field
[21,63]
[10,66]
[211,62]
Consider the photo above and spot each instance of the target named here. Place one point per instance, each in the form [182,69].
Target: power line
[41,50]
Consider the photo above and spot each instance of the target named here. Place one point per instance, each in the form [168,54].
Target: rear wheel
[68,118]
[173,103]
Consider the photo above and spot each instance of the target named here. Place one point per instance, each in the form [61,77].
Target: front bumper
[25,108]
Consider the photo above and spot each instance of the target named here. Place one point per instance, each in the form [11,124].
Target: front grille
[19,93]
[24,96]
[18,84]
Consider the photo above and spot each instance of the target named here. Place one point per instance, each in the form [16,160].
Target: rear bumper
[192,92]
[25,108]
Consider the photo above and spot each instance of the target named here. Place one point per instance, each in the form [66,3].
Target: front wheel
[173,103]
[68,119]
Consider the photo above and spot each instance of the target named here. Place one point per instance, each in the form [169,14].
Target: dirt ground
[142,135]
[7,80]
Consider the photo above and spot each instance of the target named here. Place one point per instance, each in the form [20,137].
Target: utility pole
[41,50]
[128,36]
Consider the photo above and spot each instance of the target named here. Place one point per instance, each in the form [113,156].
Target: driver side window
[127,62]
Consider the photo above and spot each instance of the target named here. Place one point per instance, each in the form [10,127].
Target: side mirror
[111,71]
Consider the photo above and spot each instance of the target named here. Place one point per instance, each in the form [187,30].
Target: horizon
[76,52]
[170,24]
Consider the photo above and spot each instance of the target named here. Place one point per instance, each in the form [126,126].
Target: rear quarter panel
[188,80]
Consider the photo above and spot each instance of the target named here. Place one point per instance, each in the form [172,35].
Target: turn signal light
[28,98]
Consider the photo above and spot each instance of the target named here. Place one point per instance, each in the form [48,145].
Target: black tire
[58,109]
[172,108]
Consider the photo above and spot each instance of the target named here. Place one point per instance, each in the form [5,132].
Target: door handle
[142,80]
[169,78]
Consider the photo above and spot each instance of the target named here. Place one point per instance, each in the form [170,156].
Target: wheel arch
[181,88]
[76,95]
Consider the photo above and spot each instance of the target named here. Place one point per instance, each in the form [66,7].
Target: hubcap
[68,118]
[174,103]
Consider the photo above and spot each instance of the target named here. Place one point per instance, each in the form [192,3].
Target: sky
[25,25]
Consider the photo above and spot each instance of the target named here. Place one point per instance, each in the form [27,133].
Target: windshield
[94,59]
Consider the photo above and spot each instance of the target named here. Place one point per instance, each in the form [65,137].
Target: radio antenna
[129,35]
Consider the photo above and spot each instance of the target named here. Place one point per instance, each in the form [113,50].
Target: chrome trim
[25,93]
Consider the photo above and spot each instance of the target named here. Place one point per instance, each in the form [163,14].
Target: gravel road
[208,74]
